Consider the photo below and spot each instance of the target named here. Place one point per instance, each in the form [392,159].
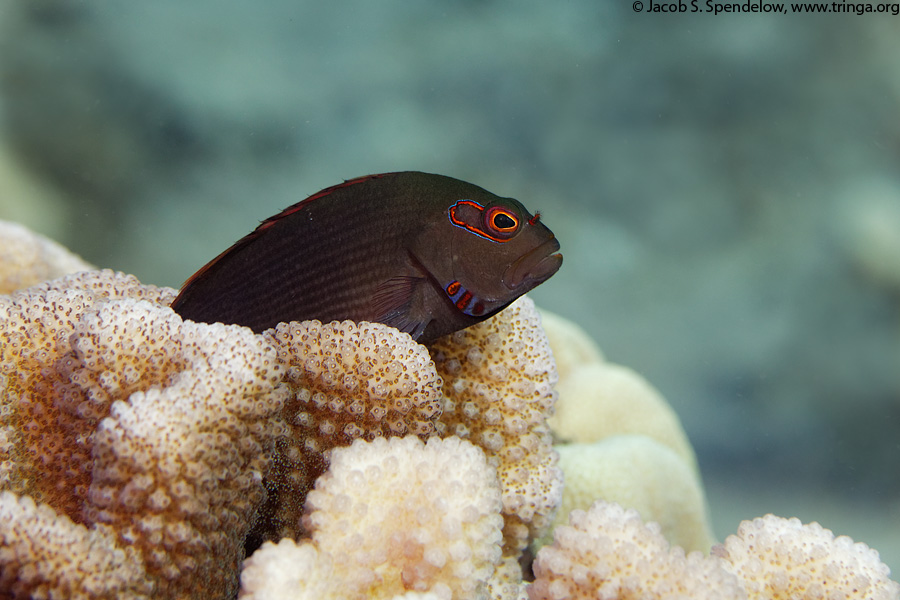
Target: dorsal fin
[295,207]
[268,223]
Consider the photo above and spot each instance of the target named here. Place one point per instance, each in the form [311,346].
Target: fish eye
[501,221]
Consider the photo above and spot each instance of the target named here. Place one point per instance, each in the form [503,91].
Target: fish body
[424,253]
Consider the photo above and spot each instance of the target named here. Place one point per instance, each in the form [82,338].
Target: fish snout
[534,267]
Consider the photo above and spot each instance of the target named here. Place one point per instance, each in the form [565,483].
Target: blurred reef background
[726,188]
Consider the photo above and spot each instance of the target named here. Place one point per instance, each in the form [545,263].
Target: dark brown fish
[424,253]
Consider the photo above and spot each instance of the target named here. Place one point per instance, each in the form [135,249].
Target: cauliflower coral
[133,443]
[609,553]
[389,517]
[140,455]
[638,472]
[782,559]
[347,381]
[27,258]
[119,396]
[491,384]
[620,441]
[499,377]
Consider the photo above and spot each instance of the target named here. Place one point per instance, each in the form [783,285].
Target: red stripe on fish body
[463,301]
[374,248]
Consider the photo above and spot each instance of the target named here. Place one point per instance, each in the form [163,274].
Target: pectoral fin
[398,302]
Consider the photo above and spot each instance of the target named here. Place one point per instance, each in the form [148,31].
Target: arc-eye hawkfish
[424,253]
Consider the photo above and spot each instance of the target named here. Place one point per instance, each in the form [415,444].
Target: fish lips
[534,267]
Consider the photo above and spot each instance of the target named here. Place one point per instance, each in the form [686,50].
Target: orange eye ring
[501,221]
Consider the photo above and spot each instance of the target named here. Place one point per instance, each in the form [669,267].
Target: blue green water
[725,187]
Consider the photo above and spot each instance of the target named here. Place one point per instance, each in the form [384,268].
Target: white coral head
[391,517]
[609,553]
[410,514]
[778,558]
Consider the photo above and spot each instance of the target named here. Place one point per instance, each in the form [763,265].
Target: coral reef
[620,441]
[491,384]
[346,381]
[498,386]
[638,472]
[390,516]
[780,559]
[600,399]
[608,552]
[98,372]
[140,438]
[571,346]
[139,453]
[27,258]
[47,555]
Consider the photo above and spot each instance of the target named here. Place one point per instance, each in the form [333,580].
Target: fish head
[497,251]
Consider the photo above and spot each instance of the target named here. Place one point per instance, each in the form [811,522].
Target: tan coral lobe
[390,516]
[46,555]
[179,469]
[498,387]
[620,441]
[151,432]
[27,258]
[608,552]
[133,447]
[54,390]
[640,473]
[781,559]
[347,381]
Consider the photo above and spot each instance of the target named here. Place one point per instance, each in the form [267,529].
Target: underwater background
[726,188]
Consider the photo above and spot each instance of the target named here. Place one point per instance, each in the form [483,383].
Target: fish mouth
[534,267]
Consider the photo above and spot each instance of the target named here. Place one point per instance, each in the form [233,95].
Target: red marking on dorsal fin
[268,223]
[295,207]
[202,271]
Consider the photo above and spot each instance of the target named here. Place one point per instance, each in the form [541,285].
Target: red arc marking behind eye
[479,232]
[459,222]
